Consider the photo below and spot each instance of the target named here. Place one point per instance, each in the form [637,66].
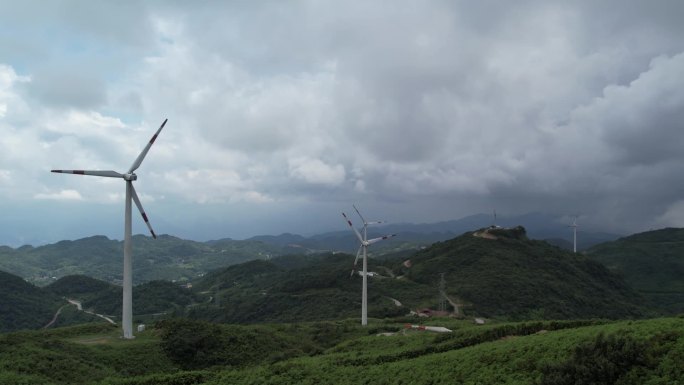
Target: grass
[342,352]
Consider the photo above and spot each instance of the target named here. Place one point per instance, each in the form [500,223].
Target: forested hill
[24,306]
[652,262]
[154,297]
[491,273]
[502,273]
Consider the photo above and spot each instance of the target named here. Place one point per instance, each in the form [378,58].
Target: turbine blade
[360,216]
[142,155]
[358,254]
[142,211]
[375,240]
[358,235]
[375,222]
[108,173]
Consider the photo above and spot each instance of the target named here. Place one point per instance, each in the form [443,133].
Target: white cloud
[257,197]
[86,123]
[62,195]
[315,171]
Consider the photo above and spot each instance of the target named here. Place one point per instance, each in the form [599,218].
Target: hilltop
[502,273]
[651,262]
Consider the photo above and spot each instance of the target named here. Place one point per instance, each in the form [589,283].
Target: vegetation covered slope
[78,286]
[651,262]
[24,306]
[647,352]
[185,352]
[154,297]
[286,289]
[504,274]
[509,277]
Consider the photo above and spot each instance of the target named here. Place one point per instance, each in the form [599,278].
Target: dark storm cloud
[553,106]
[527,99]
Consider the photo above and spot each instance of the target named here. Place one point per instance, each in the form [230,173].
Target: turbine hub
[130,177]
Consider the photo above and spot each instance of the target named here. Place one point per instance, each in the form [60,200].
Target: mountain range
[174,259]
[492,273]
[505,276]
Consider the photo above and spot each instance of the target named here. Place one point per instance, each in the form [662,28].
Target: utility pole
[442,293]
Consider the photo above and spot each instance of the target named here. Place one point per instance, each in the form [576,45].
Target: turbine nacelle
[130,177]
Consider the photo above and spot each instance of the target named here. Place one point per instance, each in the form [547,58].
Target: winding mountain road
[54,318]
[80,308]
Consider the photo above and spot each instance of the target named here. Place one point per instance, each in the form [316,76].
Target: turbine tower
[365,242]
[574,234]
[128,177]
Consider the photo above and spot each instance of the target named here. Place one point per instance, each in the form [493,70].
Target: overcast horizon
[283,114]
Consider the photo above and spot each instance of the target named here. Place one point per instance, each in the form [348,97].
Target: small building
[141,328]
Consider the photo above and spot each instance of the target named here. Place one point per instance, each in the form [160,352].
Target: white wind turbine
[574,234]
[365,242]
[128,177]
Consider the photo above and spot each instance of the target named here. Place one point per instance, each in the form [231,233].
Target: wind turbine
[574,234]
[365,242]
[128,177]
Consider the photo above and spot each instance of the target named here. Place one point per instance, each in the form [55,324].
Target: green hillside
[149,298]
[510,277]
[651,262]
[341,352]
[78,286]
[286,289]
[504,274]
[24,306]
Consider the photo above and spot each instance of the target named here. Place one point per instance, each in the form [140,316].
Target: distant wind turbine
[128,177]
[365,242]
[574,234]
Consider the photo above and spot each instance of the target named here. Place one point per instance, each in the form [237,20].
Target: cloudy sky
[283,113]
